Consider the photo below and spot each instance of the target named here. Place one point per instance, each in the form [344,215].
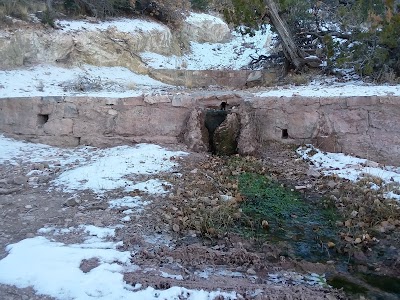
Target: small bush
[98,8]
[200,5]
[169,12]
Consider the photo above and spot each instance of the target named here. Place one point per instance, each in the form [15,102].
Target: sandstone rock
[70,111]
[103,48]
[207,29]
[255,78]
[247,141]
[72,202]
[19,180]
[226,135]
[195,135]
[153,99]
[58,127]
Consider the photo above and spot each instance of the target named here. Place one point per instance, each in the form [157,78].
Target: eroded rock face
[225,139]
[111,47]
[205,29]
[195,134]
[96,47]
[248,143]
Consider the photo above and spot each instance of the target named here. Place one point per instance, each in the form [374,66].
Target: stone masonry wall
[368,127]
[365,126]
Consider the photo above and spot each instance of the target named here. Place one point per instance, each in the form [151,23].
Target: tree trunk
[292,52]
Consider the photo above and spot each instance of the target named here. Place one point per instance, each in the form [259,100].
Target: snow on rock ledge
[205,28]
[112,43]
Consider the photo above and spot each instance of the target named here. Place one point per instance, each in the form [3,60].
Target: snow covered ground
[53,268]
[48,80]
[355,169]
[234,54]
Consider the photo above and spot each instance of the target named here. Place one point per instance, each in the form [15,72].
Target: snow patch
[108,171]
[353,169]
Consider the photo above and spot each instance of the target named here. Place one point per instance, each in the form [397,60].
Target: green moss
[384,283]
[306,226]
[349,287]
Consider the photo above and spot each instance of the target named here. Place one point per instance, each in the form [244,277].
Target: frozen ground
[48,80]
[53,268]
[57,269]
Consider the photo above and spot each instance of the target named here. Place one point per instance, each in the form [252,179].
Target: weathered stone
[349,121]
[372,133]
[226,135]
[150,121]
[299,129]
[153,99]
[312,172]
[5,191]
[183,100]
[70,111]
[72,202]
[20,180]
[207,29]
[248,140]
[255,78]
[195,134]
[58,127]
[102,48]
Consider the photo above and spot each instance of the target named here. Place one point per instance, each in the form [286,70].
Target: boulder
[195,134]
[203,28]
[225,137]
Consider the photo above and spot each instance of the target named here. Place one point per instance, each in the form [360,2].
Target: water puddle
[306,229]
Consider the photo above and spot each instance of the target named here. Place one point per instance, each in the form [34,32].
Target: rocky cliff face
[101,48]
[111,46]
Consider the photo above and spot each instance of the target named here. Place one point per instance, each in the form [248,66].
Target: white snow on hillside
[232,55]
[109,167]
[53,269]
[47,80]
[332,89]
[122,25]
[354,169]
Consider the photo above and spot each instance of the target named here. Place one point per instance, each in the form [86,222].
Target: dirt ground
[234,264]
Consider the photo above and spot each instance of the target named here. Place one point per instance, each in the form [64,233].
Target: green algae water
[306,227]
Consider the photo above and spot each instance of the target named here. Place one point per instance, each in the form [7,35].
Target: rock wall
[365,126]
[368,127]
[109,47]
[69,121]
[225,78]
